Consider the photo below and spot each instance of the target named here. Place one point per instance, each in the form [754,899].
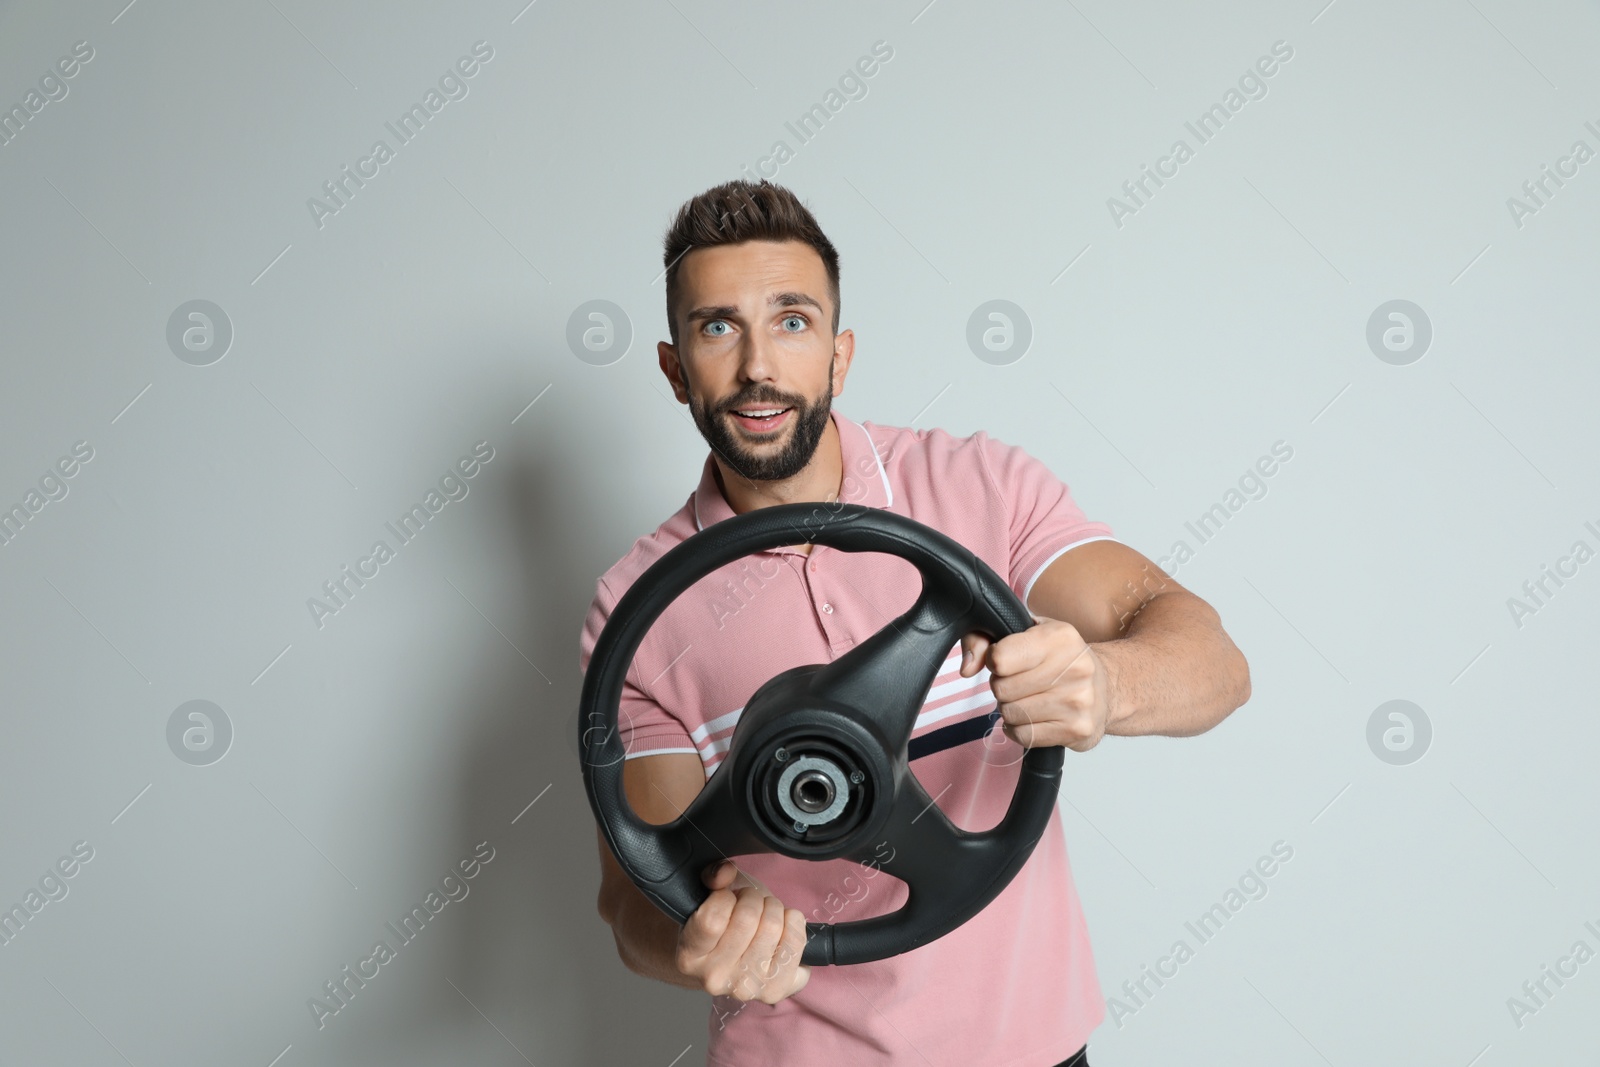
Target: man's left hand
[1050,685]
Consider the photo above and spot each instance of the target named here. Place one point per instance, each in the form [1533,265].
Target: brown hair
[739,211]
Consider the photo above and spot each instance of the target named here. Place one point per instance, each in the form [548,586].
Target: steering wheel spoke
[715,826]
[931,854]
[885,679]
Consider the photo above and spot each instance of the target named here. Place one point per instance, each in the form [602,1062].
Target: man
[1118,647]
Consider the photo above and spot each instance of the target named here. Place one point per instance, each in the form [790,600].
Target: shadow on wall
[525,949]
[544,938]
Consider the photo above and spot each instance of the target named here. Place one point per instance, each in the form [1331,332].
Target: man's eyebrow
[792,300]
[725,311]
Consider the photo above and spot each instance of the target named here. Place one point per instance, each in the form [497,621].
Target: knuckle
[717,980]
[746,911]
[706,926]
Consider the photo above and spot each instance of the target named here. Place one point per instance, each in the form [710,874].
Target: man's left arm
[1119,647]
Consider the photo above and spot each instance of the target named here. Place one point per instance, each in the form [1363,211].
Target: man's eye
[797,319]
[716,322]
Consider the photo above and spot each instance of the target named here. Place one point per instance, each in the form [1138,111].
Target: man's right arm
[658,789]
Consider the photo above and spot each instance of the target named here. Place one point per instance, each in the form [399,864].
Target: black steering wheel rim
[853,715]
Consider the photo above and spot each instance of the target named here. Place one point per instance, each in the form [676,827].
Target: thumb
[718,875]
[974,649]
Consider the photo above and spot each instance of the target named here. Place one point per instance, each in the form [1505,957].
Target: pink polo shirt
[1014,986]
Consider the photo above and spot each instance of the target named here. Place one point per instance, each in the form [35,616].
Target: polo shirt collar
[857,453]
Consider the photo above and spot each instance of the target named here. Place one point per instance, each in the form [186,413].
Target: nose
[756,360]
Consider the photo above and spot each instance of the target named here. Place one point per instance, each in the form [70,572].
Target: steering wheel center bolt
[812,792]
[781,754]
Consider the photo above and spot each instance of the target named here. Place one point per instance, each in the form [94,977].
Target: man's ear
[672,367]
[844,350]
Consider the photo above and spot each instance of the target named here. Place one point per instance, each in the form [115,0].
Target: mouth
[760,418]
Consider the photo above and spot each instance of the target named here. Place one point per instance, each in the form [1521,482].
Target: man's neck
[819,480]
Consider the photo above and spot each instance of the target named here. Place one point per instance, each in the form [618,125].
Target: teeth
[762,414]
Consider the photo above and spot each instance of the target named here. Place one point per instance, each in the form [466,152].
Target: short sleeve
[1043,519]
[646,728]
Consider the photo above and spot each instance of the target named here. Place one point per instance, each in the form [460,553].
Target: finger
[790,951]
[718,966]
[704,929]
[1019,684]
[1029,723]
[730,959]
[761,967]
[788,974]
[1029,648]
[719,875]
[793,943]
[974,651]
[1016,715]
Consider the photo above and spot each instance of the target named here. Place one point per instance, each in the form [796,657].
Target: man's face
[756,360]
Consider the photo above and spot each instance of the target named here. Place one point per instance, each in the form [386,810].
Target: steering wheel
[817,766]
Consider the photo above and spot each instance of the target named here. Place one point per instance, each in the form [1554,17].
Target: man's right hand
[742,942]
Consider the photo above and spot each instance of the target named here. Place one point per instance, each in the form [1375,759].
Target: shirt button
[827,609]
[813,564]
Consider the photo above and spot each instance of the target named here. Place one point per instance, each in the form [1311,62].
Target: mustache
[764,398]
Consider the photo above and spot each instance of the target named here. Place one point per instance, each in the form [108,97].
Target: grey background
[1230,312]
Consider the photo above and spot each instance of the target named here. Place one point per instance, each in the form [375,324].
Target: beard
[773,463]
